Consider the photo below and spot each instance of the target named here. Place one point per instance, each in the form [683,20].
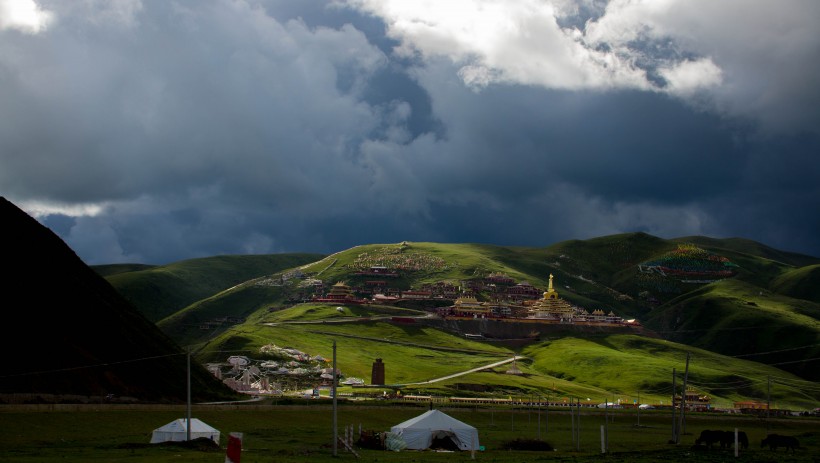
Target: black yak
[708,437]
[743,440]
[727,441]
[776,440]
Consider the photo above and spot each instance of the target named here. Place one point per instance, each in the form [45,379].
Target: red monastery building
[340,293]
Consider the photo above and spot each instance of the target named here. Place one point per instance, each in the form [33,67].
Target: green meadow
[304,434]
[597,367]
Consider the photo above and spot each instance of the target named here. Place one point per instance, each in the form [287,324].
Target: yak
[743,440]
[776,440]
[725,438]
[728,440]
[708,437]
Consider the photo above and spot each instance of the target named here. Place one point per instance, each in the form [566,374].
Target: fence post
[736,446]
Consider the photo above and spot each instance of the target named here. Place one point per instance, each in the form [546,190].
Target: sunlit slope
[585,271]
[750,247]
[431,262]
[415,357]
[434,262]
[629,366]
[600,273]
[800,283]
[600,368]
[160,291]
[313,311]
[736,318]
[411,353]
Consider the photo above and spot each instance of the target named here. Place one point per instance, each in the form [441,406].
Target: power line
[795,361]
[59,370]
[775,351]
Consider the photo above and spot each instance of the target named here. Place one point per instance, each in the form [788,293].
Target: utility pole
[547,409]
[768,399]
[606,424]
[674,420]
[572,418]
[682,427]
[188,408]
[578,422]
[333,390]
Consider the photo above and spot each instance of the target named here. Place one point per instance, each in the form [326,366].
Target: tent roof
[181,425]
[418,433]
[434,419]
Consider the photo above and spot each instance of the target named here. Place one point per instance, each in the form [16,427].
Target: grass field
[303,433]
[598,366]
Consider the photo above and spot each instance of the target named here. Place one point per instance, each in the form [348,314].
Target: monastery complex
[513,302]
[548,309]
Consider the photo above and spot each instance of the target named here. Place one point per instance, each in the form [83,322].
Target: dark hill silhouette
[68,331]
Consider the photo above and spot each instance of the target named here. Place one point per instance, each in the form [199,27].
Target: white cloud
[753,59]
[502,42]
[39,209]
[24,15]
[689,76]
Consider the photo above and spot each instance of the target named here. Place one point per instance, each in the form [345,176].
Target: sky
[154,131]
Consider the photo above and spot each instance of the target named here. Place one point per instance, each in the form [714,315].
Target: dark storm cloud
[159,131]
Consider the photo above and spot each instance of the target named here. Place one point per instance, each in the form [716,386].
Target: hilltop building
[552,307]
[469,306]
[340,293]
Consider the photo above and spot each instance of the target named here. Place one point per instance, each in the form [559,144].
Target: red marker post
[234,452]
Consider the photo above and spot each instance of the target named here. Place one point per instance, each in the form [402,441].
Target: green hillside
[159,291]
[628,366]
[750,247]
[599,367]
[800,283]
[710,297]
[736,318]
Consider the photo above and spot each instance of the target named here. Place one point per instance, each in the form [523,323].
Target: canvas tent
[420,432]
[177,430]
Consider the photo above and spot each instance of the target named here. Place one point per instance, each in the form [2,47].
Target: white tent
[177,430]
[420,432]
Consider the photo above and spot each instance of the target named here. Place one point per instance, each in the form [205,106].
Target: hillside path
[466,372]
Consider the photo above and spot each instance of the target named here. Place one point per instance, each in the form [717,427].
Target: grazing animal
[727,441]
[743,440]
[708,438]
[776,440]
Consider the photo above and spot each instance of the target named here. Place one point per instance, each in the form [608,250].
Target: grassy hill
[799,283]
[628,366]
[736,318]
[731,302]
[160,291]
[599,367]
[750,247]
